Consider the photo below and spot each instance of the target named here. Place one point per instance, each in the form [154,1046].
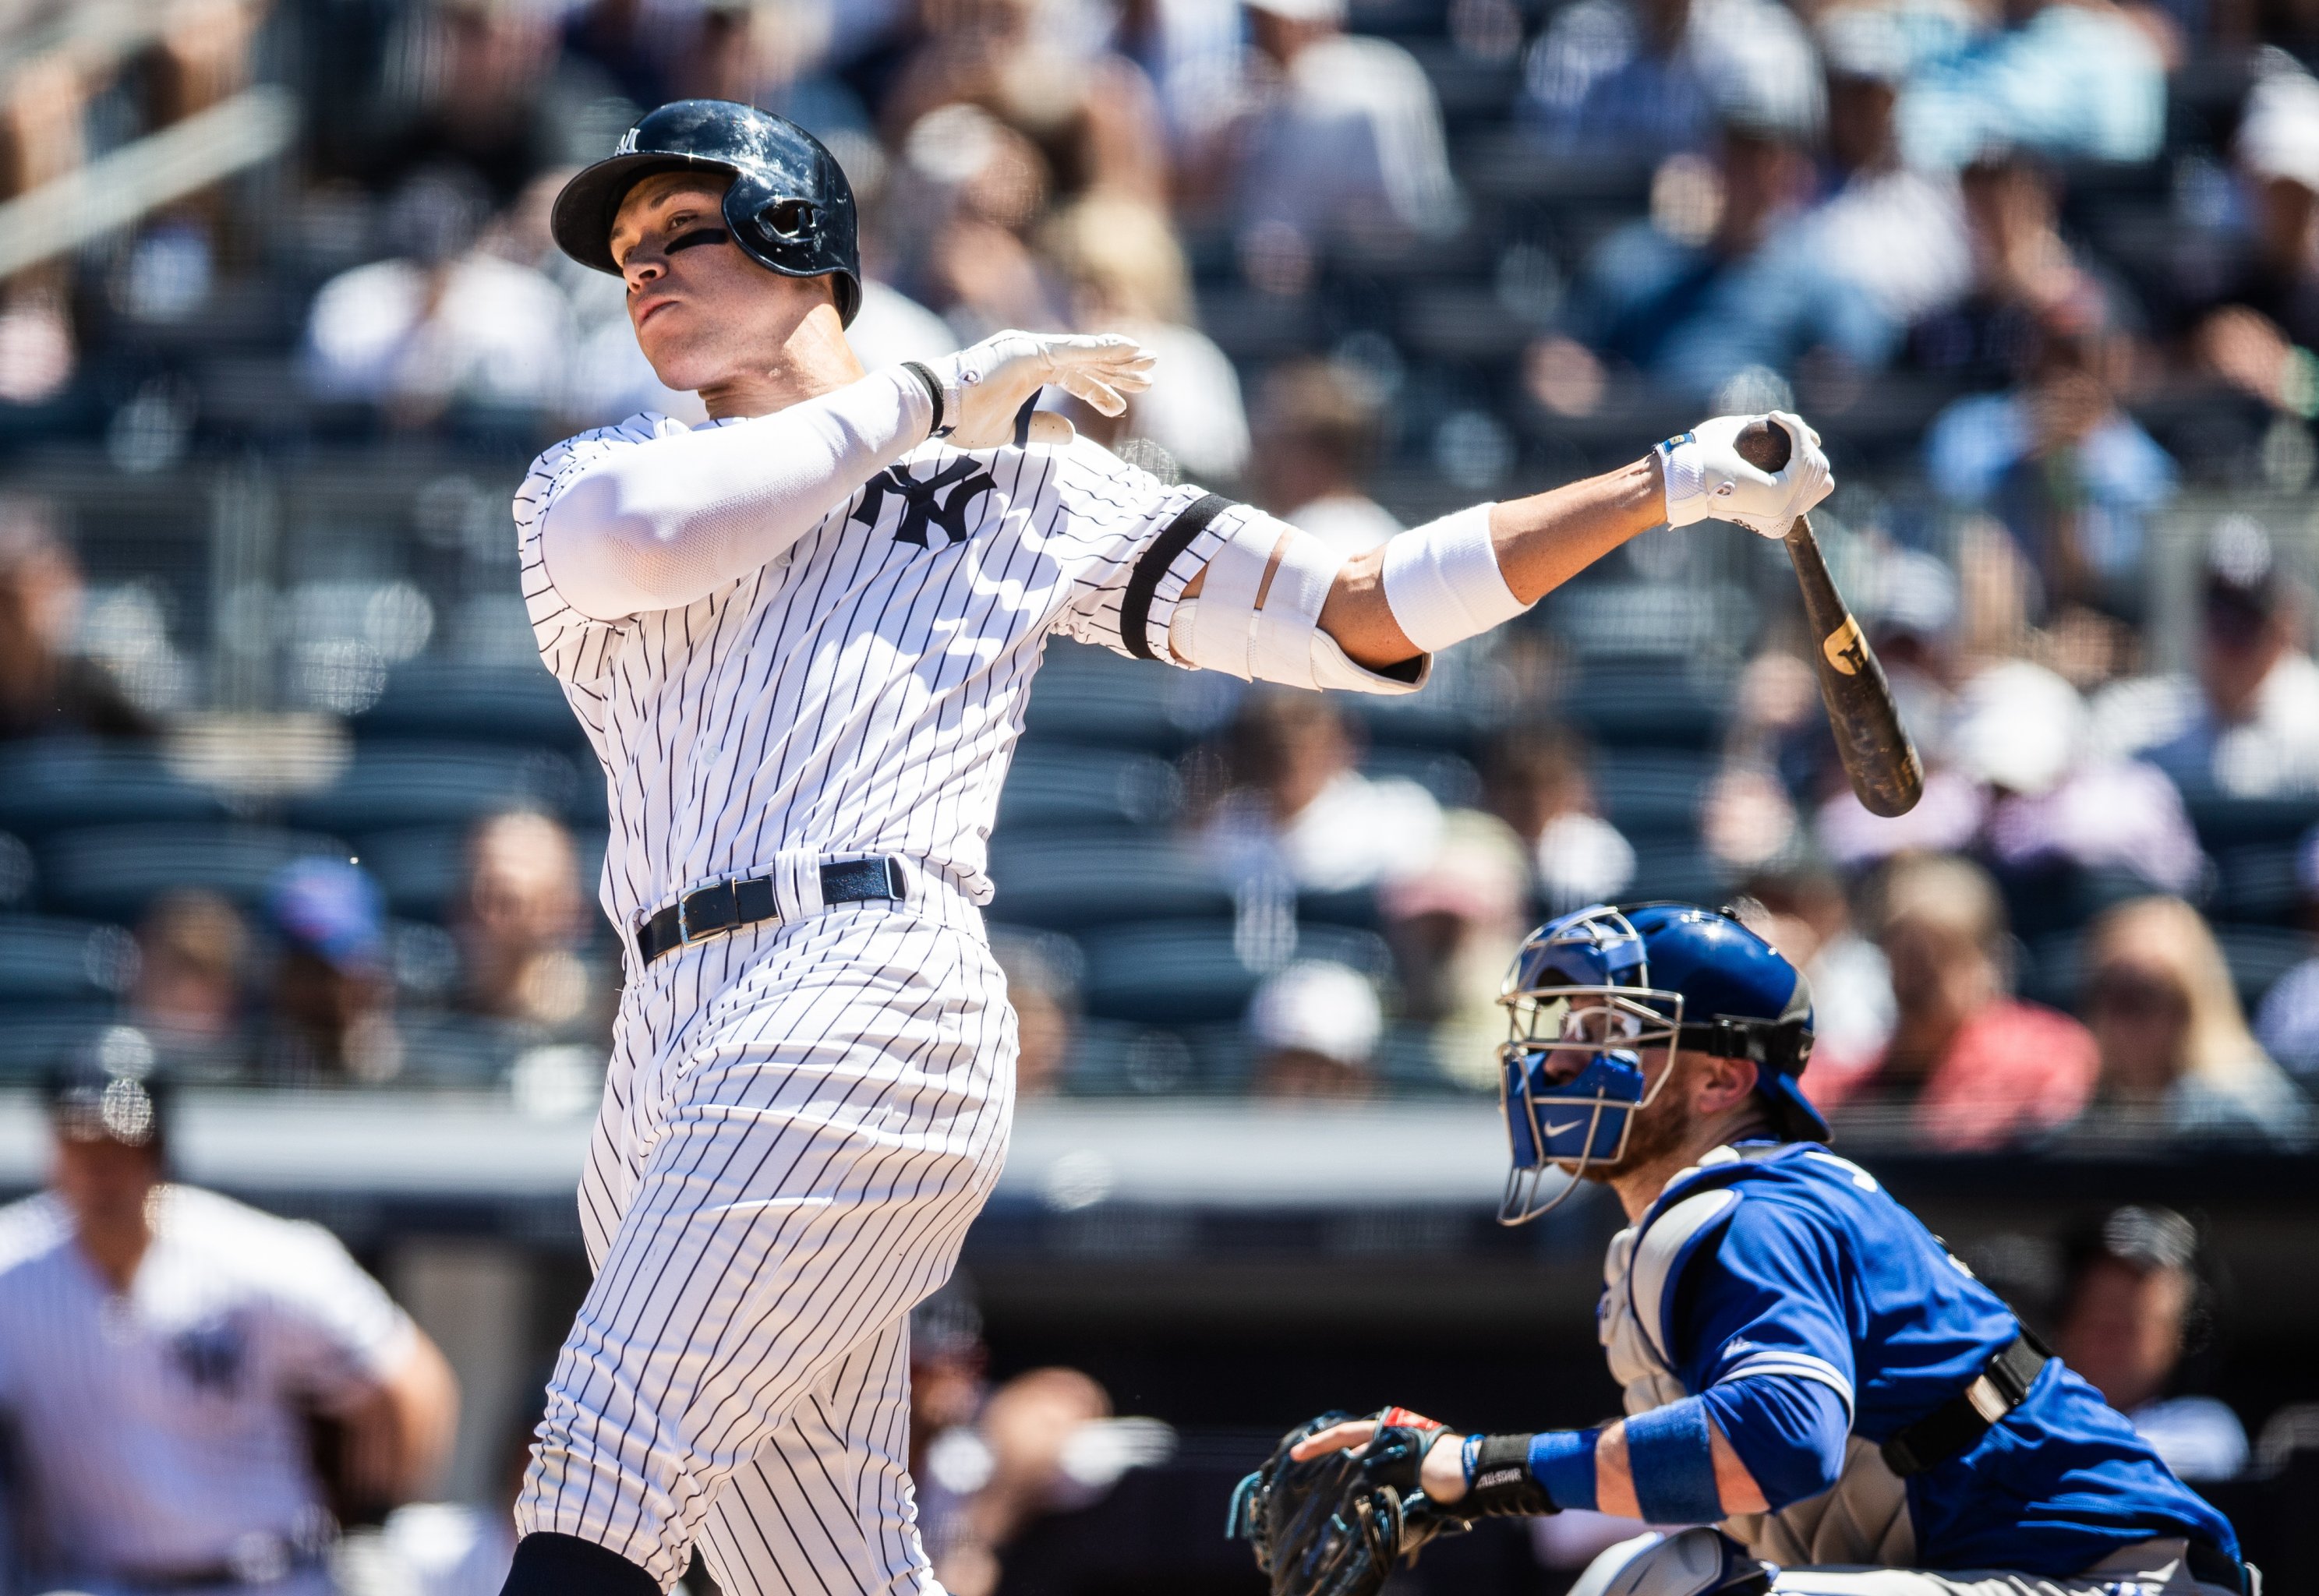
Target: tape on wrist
[1498,1479]
[933,385]
[1442,581]
[1563,1463]
[1671,1458]
[1682,470]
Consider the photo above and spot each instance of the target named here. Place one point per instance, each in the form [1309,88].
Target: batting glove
[1706,478]
[988,390]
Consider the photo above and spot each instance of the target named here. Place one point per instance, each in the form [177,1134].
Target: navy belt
[724,905]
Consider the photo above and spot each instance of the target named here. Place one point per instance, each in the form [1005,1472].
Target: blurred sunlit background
[291,820]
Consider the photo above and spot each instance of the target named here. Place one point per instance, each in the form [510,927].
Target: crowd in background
[1393,256]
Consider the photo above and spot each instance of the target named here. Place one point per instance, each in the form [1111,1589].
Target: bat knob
[1764,445]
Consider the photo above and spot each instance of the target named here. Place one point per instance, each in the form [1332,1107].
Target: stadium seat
[54,961]
[2256,883]
[1645,706]
[422,868]
[1065,881]
[111,872]
[495,704]
[2224,822]
[1652,793]
[389,785]
[1087,788]
[49,786]
[1676,868]
[1452,780]
[1184,973]
[1089,696]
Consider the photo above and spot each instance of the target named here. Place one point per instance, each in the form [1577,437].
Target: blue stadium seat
[2224,822]
[1182,973]
[1647,706]
[1681,869]
[49,786]
[49,961]
[1087,788]
[2256,883]
[422,868]
[1065,881]
[494,703]
[111,872]
[36,1037]
[1450,779]
[390,785]
[1652,793]
[1091,696]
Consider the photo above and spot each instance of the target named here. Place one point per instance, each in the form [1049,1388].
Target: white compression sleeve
[669,521]
[1442,581]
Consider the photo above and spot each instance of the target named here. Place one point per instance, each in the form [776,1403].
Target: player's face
[703,311]
[103,1182]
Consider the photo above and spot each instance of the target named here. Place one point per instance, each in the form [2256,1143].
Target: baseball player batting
[799,639]
[1803,1363]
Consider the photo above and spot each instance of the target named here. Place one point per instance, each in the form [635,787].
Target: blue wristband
[1672,1462]
[1563,1462]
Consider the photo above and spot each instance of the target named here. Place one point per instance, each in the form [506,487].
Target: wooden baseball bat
[1877,756]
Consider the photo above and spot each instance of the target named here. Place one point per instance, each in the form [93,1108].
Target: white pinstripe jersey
[863,693]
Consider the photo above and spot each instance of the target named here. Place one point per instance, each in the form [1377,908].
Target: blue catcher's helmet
[1605,985]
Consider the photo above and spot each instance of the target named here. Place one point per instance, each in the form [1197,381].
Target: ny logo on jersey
[924,504]
[210,1355]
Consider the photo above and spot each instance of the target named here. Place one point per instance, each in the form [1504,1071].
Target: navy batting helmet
[790,206]
[1605,984]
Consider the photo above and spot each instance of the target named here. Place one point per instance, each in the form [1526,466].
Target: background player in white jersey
[799,639]
[161,1351]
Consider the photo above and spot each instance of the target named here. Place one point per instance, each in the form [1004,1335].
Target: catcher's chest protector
[1862,1519]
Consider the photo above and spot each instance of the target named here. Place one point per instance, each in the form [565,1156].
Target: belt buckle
[687,933]
[1986,1400]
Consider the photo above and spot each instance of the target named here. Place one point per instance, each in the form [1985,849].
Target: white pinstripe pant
[800,1123]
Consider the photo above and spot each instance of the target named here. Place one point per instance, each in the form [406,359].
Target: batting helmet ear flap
[786,232]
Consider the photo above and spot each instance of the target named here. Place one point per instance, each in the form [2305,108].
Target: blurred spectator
[2062,77]
[991,1464]
[1454,928]
[772,54]
[2022,275]
[192,949]
[1299,816]
[630,42]
[1896,231]
[1314,1028]
[1191,52]
[2250,310]
[163,1350]
[2176,1053]
[1317,428]
[968,190]
[485,95]
[1127,275]
[45,687]
[2249,726]
[1636,80]
[1808,917]
[445,325]
[2055,802]
[2070,475]
[1535,778]
[1976,1068]
[2287,1022]
[1342,144]
[519,926]
[333,1021]
[2133,1304]
[1089,113]
[1046,1010]
[1722,281]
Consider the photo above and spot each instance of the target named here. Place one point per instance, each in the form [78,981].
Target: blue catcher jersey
[1816,1270]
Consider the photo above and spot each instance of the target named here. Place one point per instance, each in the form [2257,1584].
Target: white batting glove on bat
[986,388]
[1706,479]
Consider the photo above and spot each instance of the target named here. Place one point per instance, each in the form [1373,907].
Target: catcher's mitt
[1335,1525]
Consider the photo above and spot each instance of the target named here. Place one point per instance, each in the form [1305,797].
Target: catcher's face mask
[1582,1013]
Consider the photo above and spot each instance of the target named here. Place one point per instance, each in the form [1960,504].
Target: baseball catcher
[1821,1401]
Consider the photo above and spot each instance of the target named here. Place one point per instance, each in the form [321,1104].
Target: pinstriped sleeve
[1118,518]
[577,649]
